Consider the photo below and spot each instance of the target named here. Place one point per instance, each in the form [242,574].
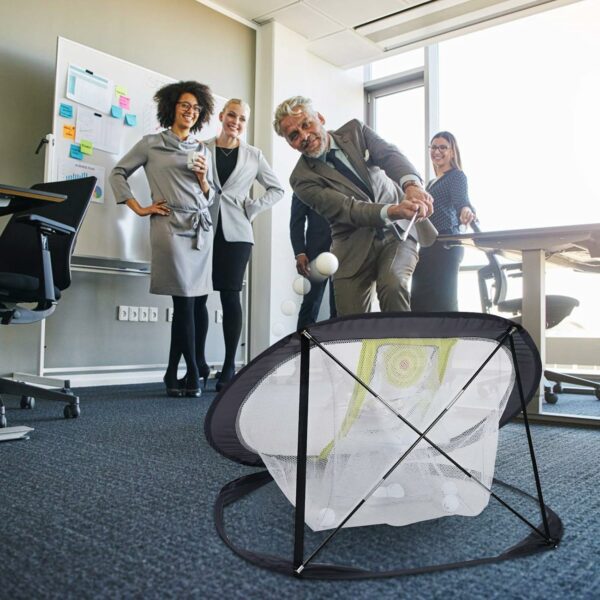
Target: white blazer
[233,204]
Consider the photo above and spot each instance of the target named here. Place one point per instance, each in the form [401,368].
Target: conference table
[572,246]
[14,200]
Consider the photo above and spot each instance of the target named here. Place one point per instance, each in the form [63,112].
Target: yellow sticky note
[120,90]
[87,147]
[69,132]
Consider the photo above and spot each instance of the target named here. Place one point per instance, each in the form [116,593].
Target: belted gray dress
[181,243]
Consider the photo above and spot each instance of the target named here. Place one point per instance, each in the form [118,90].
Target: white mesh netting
[354,439]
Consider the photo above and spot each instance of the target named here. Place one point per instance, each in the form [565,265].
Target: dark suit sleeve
[298,215]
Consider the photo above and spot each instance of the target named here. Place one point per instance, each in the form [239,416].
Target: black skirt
[229,262]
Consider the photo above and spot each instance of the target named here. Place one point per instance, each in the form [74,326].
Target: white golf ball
[395,490]
[301,286]
[450,503]
[327,263]
[327,517]
[278,329]
[289,308]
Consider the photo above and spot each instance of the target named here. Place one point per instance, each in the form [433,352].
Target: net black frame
[221,432]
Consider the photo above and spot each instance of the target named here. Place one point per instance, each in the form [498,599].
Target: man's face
[305,133]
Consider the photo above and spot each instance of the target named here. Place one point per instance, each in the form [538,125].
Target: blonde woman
[236,166]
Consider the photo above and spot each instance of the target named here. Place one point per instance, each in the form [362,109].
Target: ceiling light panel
[345,49]
[252,9]
[305,20]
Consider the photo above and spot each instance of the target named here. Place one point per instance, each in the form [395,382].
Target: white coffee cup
[192,156]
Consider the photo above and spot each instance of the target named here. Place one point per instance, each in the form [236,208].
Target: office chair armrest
[46,225]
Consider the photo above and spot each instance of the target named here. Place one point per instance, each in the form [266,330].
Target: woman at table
[236,167]
[435,279]
[180,227]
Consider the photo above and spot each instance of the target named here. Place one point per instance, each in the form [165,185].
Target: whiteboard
[102,107]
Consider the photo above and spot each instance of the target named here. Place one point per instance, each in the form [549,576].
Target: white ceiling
[349,33]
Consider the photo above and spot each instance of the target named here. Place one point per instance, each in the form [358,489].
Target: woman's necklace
[226,152]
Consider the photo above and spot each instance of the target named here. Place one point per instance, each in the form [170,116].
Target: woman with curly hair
[178,169]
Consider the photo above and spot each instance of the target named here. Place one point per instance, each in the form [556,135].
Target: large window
[522,99]
[400,119]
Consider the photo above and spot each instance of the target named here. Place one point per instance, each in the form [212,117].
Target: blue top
[450,194]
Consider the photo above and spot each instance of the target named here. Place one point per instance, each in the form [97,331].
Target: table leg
[534,309]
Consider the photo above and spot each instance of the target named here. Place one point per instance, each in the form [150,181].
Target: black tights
[232,328]
[188,336]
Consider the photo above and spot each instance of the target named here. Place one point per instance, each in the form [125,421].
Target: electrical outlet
[169,314]
[144,313]
[153,314]
[123,313]
[134,313]
[218,316]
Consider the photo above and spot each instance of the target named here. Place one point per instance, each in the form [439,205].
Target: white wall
[285,68]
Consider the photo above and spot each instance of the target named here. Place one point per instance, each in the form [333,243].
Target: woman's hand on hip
[158,207]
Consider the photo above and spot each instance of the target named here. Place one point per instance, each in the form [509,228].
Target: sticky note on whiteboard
[65,111]
[87,147]
[69,132]
[75,152]
[124,102]
[116,112]
[120,90]
[131,120]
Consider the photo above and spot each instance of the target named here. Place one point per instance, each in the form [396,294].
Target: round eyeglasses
[186,106]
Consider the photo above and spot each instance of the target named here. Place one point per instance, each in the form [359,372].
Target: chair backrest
[19,246]
[492,283]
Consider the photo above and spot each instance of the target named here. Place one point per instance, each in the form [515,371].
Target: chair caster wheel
[27,402]
[71,411]
[557,388]
[550,398]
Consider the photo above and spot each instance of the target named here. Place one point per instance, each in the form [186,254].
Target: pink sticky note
[124,102]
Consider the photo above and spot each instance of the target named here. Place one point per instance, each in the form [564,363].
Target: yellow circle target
[404,365]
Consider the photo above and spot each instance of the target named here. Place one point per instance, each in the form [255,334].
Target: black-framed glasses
[441,148]
[187,107]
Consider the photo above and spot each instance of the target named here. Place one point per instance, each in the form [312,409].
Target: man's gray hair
[292,107]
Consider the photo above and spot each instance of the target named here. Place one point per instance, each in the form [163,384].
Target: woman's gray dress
[181,243]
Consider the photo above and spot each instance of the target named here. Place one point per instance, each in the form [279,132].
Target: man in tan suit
[368,191]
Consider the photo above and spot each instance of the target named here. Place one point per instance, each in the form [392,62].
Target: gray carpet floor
[118,504]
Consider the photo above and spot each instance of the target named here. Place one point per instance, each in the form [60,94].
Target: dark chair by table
[35,267]
[493,286]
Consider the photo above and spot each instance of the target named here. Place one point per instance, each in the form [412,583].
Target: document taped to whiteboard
[86,87]
[76,169]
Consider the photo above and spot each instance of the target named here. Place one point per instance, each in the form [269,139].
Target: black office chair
[35,267]
[493,286]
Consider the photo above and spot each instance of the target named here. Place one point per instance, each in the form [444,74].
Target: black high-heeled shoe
[204,373]
[225,376]
[173,388]
[191,388]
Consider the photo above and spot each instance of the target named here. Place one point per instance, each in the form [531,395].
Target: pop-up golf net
[382,419]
